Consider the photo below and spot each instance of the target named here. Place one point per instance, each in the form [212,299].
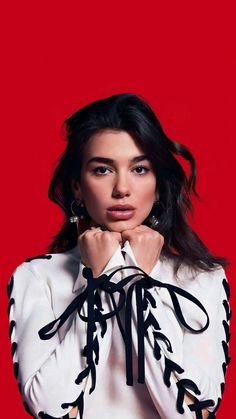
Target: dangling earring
[153,219]
[79,214]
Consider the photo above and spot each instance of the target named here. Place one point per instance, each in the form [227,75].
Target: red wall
[58,56]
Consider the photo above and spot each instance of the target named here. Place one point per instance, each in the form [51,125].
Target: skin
[122,181]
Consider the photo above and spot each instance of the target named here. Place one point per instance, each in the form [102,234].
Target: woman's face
[115,171]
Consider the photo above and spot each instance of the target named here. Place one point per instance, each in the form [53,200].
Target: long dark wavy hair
[131,113]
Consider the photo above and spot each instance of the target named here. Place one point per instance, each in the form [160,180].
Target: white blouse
[119,346]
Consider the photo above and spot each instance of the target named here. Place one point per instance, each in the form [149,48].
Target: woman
[127,316]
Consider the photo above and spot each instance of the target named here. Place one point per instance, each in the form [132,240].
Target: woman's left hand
[146,244]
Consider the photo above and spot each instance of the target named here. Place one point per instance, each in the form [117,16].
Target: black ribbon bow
[95,315]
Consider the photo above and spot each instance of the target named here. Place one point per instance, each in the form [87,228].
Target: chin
[119,226]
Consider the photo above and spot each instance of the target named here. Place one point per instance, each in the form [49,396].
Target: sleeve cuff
[116,261]
[131,260]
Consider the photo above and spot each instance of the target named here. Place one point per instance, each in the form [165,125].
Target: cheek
[94,194]
[147,192]
[147,202]
[147,195]
[94,203]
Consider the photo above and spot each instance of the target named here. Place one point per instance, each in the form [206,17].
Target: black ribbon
[95,314]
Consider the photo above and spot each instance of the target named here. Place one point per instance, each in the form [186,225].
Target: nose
[121,187]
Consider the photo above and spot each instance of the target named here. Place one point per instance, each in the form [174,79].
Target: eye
[100,170]
[141,169]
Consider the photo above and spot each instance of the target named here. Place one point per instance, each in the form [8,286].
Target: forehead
[112,144]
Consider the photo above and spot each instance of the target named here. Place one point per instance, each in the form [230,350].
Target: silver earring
[153,219]
[78,214]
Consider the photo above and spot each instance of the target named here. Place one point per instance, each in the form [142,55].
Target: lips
[121,207]
[120,212]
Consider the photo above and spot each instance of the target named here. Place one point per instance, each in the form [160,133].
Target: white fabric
[42,290]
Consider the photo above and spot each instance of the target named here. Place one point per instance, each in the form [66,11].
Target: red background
[57,57]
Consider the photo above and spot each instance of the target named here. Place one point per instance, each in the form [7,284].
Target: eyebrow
[106,160]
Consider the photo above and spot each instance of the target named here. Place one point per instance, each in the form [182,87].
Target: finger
[142,227]
[97,229]
[134,230]
[118,236]
[85,233]
[90,232]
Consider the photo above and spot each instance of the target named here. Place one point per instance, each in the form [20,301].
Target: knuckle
[139,239]
[88,233]
[117,235]
[107,237]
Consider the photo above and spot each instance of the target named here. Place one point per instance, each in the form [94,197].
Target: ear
[76,189]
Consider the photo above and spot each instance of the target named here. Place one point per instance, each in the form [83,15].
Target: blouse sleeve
[185,334]
[206,355]
[193,362]
[46,370]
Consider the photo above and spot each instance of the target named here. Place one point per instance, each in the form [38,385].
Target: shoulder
[47,270]
[189,277]
[209,287]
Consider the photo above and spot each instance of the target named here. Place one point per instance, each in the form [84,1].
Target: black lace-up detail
[28,409]
[43,415]
[147,326]
[12,327]
[79,402]
[198,406]
[226,288]
[170,367]
[184,385]
[225,324]
[38,257]
[139,283]
[10,286]
[11,303]
[227,310]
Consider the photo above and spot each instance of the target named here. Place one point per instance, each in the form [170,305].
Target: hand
[146,244]
[97,247]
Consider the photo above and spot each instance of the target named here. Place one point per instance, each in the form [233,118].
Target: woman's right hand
[96,248]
